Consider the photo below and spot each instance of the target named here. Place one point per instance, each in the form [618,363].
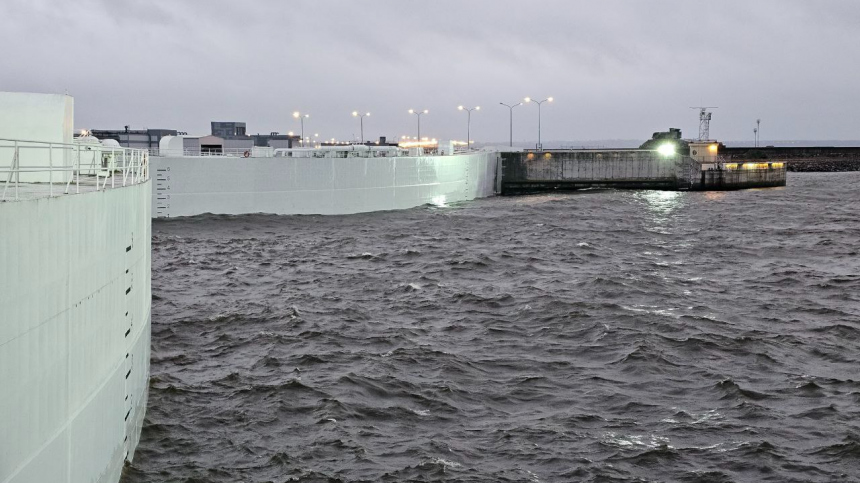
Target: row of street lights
[301,117]
[525,101]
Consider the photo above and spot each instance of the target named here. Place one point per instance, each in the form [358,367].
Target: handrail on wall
[94,161]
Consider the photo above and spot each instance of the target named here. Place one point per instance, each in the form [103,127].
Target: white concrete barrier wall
[47,118]
[74,334]
[187,186]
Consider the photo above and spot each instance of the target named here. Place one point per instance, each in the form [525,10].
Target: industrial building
[136,139]
[225,137]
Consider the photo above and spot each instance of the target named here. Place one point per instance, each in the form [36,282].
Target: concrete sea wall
[74,334]
[530,171]
[187,186]
[739,179]
[549,170]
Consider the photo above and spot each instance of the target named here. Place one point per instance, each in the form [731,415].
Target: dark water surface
[605,336]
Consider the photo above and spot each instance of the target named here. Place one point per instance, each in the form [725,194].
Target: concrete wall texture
[187,186]
[36,117]
[578,169]
[552,170]
[74,334]
[740,178]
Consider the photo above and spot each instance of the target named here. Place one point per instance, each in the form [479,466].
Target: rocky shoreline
[822,165]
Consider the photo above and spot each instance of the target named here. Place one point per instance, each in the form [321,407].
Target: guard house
[706,153]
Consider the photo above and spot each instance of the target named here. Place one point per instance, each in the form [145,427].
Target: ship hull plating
[74,334]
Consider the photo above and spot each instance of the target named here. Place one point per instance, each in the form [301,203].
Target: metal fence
[31,169]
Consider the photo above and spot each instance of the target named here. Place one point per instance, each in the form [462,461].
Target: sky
[617,69]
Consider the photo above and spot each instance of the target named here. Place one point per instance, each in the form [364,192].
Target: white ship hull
[74,334]
[193,185]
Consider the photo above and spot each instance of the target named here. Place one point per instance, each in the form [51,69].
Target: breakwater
[801,159]
[550,170]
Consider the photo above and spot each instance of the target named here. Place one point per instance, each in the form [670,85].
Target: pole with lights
[361,121]
[539,103]
[469,124]
[511,125]
[418,113]
[301,117]
[757,131]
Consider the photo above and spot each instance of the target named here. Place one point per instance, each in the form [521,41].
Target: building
[226,137]
[137,139]
[228,129]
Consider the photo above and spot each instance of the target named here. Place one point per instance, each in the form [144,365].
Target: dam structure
[75,296]
[325,180]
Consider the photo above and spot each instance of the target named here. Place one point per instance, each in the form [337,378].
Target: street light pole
[301,117]
[529,99]
[511,108]
[361,120]
[418,113]
[469,125]
[757,131]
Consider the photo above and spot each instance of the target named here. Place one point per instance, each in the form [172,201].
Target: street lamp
[469,124]
[757,131]
[361,120]
[511,107]
[529,99]
[301,117]
[418,113]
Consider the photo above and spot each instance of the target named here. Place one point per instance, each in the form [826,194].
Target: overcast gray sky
[617,69]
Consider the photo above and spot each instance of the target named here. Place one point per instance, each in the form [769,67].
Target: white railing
[348,151]
[32,168]
[228,152]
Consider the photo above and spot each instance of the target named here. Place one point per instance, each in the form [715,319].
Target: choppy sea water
[600,336]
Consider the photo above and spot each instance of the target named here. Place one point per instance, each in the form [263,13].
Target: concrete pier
[535,171]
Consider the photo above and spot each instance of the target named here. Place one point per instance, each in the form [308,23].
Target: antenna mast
[704,122]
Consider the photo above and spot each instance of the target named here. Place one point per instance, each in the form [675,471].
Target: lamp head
[411,111]
[459,108]
[527,99]
[666,149]
[354,113]
[477,108]
[296,114]
[549,99]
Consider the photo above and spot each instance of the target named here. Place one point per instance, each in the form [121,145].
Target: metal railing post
[17,168]
[78,177]
[9,177]
[51,170]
